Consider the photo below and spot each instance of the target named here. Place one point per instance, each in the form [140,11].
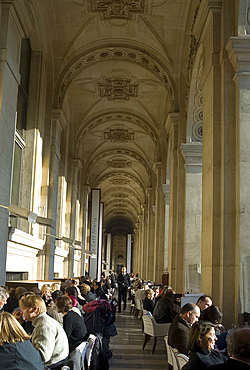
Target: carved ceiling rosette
[118,9]
[117,89]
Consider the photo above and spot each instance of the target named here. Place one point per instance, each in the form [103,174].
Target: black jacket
[201,359]
[164,311]
[123,281]
[178,335]
[75,328]
[231,364]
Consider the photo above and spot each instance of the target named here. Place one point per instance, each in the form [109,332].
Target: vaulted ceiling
[116,71]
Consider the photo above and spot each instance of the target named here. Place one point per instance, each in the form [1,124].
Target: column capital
[172,120]
[157,167]
[77,164]
[149,191]
[192,154]
[86,189]
[238,54]
[166,191]
[59,116]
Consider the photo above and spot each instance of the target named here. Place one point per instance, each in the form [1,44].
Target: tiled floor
[127,346]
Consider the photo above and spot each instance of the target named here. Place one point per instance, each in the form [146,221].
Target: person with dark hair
[178,335]
[148,302]
[164,308]
[238,347]
[123,281]
[73,324]
[204,302]
[212,314]
[202,342]
[98,290]
[51,308]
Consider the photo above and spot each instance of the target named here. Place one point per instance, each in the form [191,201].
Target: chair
[152,329]
[76,357]
[171,354]
[181,359]
[138,307]
[174,353]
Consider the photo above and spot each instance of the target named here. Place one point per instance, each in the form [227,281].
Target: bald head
[238,344]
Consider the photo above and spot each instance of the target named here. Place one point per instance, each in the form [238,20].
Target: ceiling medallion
[119,163]
[119,135]
[117,89]
[119,195]
[118,9]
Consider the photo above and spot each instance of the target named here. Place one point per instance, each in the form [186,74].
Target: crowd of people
[40,328]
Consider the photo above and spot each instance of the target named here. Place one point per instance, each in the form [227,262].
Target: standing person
[123,281]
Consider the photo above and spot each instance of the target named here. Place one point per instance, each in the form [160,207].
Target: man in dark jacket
[123,281]
[178,335]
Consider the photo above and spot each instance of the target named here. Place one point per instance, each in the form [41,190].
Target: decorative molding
[119,182]
[119,135]
[119,163]
[117,9]
[120,117]
[117,89]
[192,154]
[116,54]
[119,195]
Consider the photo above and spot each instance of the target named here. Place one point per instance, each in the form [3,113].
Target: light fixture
[28,215]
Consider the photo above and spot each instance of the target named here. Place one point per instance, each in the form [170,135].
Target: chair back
[169,353]
[91,342]
[181,359]
[138,304]
[148,325]
[174,352]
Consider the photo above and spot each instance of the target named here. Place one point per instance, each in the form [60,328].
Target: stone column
[140,246]
[165,188]
[135,249]
[212,221]
[159,225]
[108,252]
[192,153]
[144,241]
[10,48]
[150,236]
[76,165]
[52,149]
[172,133]
[237,260]
[85,204]
[129,239]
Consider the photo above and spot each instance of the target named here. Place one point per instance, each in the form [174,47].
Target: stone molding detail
[118,117]
[119,182]
[119,135]
[193,46]
[192,154]
[118,9]
[119,195]
[117,89]
[117,54]
[119,163]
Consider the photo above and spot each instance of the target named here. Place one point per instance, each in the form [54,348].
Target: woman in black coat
[148,302]
[202,342]
[73,323]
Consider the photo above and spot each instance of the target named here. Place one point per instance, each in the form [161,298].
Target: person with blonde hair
[48,336]
[16,350]
[55,286]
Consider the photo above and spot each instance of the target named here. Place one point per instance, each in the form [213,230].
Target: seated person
[48,336]
[238,346]
[87,295]
[179,331]
[204,302]
[16,350]
[98,290]
[51,308]
[148,302]
[4,295]
[202,342]
[12,301]
[73,324]
[164,308]
[214,315]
